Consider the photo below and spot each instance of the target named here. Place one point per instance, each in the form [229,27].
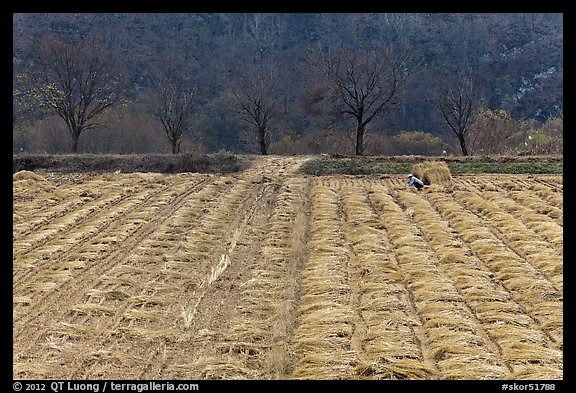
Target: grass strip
[366,166]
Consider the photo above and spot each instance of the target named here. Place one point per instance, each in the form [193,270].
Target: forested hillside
[515,61]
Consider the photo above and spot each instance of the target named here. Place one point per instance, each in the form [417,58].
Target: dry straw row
[102,237]
[544,200]
[142,290]
[29,190]
[201,240]
[554,196]
[121,290]
[512,229]
[504,321]
[40,211]
[241,344]
[385,323]
[197,229]
[28,218]
[164,255]
[141,266]
[533,215]
[528,288]
[549,188]
[454,338]
[538,194]
[73,216]
[322,339]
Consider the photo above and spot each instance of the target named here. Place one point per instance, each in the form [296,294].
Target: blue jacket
[413,180]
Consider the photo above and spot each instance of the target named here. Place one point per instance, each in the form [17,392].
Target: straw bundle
[30,182]
[28,175]
[432,172]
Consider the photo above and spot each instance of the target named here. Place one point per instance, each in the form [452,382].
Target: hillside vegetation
[514,59]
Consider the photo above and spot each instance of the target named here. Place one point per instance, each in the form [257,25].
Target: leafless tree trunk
[252,78]
[365,83]
[77,80]
[176,98]
[458,103]
[256,104]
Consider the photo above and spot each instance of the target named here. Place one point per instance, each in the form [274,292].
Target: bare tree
[77,80]
[256,103]
[176,97]
[457,101]
[252,77]
[364,83]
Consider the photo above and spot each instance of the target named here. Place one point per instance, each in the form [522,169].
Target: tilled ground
[265,274]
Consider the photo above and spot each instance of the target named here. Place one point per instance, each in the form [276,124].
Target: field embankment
[130,163]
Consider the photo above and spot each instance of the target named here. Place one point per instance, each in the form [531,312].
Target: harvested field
[270,274]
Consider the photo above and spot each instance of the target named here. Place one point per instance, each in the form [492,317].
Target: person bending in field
[414,181]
